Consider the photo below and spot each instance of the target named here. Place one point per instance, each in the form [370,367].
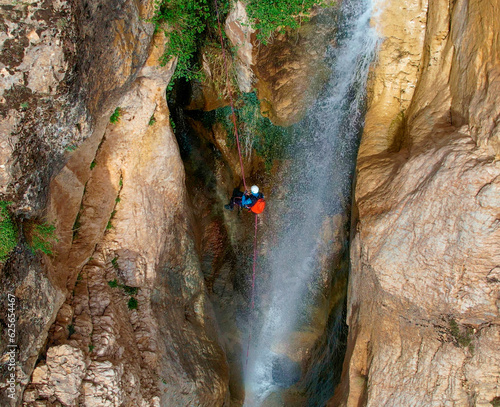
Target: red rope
[230,96]
[242,172]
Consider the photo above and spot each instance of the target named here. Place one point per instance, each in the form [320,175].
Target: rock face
[119,315]
[423,296]
[291,70]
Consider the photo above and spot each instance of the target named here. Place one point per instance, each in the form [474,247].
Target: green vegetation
[70,148]
[110,225]
[114,262]
[113,283]
[255,131]
[190,24]
[71,329]
[495,402]
[8,232]
[186,24]
[132,303]
[93,164]
[463,337]
[115,117]
[271,15]
[25,105]
[91,348]
[41,237]
[152,120]
[130,290]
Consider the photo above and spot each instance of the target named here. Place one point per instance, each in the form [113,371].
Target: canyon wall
[424,288]
[119,314]
[127,310]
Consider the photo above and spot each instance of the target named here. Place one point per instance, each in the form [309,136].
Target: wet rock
[291,70]
[285,372]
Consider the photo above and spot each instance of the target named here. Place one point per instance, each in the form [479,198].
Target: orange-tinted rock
[423,311]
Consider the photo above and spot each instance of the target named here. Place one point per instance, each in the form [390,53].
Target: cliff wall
[424,288]
[119,314]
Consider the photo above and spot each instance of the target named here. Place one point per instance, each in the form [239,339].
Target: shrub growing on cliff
[270,15]
[132,303]
[41,236]
[462,335]
[8,232]
[115,117]
[256,132]
[186,23]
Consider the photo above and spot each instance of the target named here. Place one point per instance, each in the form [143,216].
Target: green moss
[130,290]
[41,237]
[8,232]
[132,303]
[152,120]
[114,262]
[113,283]
[462,335]
[115,117]
[93,164]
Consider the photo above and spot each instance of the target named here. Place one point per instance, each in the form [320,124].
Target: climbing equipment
[258,207]
[262,205]
[230,95]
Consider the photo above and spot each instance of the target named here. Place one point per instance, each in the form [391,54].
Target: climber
[253,200]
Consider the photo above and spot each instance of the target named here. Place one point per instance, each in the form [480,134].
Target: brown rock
[291,70]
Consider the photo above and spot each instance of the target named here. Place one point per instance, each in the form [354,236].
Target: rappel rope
[228,85]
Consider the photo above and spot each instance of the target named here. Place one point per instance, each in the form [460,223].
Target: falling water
[319,185]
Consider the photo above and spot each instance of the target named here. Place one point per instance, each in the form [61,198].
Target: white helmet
[254,189]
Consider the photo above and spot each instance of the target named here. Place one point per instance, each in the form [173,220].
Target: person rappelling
[253,201]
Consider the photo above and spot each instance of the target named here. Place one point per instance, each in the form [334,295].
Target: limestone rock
[62,375]
[239,32]
[291,69]
[423,296]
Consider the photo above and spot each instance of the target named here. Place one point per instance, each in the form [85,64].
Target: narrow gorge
[372,129]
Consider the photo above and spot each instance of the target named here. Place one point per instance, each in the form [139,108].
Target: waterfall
[318,182]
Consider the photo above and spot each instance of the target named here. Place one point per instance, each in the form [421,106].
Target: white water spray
[319,183]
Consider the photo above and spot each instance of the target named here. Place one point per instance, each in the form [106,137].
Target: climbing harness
[242,172]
